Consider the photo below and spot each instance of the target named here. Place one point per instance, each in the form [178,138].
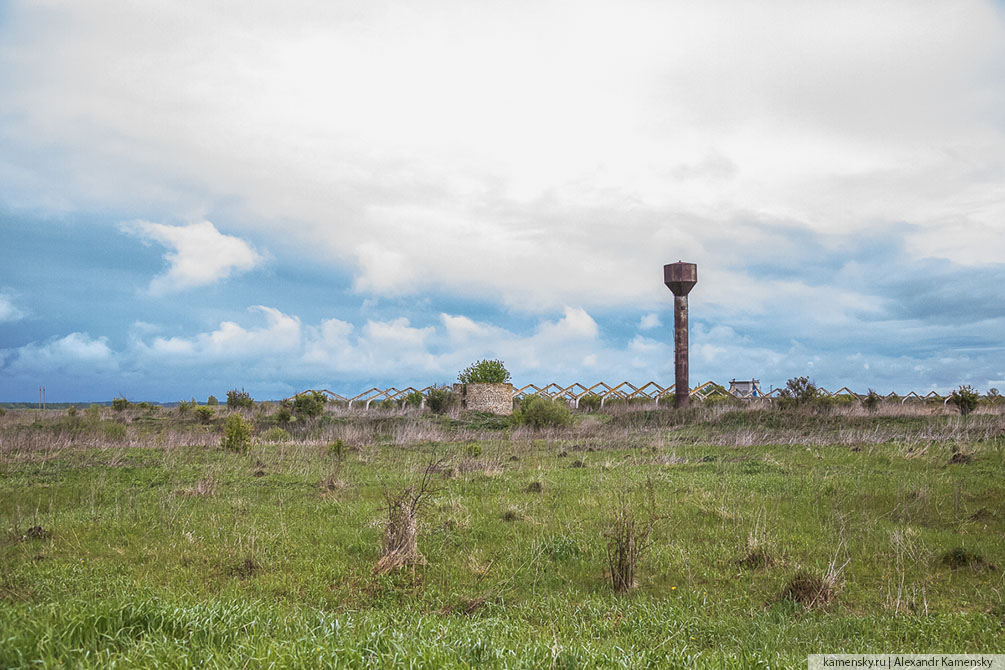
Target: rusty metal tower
[680,278]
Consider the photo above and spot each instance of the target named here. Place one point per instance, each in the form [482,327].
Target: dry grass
[812,590]
[628,537]
[203,487]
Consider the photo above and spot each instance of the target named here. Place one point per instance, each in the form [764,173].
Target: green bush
[283,415]
[204,414]
[119,404]
[590,402]
[542,412]
[994,396]
[473,450]
[275,435]
[440,399]
[413,399]
[239,399]
[311,403]
[212,401]
[337,449]
[484,372]
[236,434]
[184,407]
[965,398]
[716,400]
[93,412]
[798,392]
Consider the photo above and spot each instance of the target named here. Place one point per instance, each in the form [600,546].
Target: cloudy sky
[277,196]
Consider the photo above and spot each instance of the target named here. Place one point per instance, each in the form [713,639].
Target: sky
[196,197]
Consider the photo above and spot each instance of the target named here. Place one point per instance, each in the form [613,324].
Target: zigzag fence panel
[622,392]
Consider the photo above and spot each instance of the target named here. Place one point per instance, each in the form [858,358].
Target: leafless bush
[401,530]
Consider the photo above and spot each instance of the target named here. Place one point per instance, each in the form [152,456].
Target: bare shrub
[401,529]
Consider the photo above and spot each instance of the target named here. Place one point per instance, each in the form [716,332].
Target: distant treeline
[67,405]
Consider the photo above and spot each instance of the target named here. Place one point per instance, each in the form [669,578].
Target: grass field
[131,539]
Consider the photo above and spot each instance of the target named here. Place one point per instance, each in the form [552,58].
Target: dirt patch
[332,483]
[981,515]
[756,559]
[37,533]
[469,607]
[810,590]
[960,458]
[244,570]
[959,558]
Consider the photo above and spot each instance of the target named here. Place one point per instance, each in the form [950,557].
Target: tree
[239,399]
[798,391]
[236,434]
[965,398]
[204,414]
[212,401]
[311,403]
[484,372]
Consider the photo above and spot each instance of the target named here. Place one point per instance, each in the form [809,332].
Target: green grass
[159,555]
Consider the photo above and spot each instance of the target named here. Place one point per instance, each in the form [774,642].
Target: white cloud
[461,329]
[281,333]
[396,333]
[282,356]
[9,313]
[200,254]
[76,353]
[504,155]
[650,321]
[575,324]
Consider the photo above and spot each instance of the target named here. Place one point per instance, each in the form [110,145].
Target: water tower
[680,278]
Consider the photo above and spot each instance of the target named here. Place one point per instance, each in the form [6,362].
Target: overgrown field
[131,538]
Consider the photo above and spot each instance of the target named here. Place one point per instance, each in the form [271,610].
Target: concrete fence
[625,391]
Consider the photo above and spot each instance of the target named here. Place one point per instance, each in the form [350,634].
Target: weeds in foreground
[629,537]
[813,590]
[401,528]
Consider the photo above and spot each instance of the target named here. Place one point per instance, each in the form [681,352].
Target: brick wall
[494,398]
